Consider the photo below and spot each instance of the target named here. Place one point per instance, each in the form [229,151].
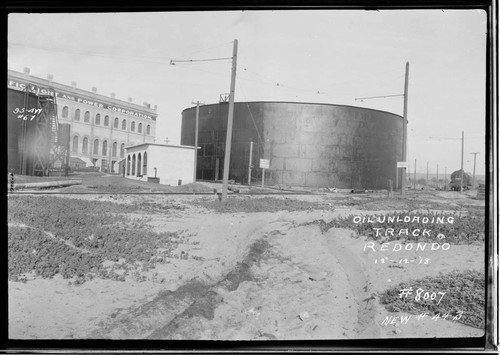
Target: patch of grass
[101,228]
[465,229]
[465,292]
[262,204]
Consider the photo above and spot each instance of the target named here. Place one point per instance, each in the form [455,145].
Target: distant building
[76,163]
[162,163]
[101,126]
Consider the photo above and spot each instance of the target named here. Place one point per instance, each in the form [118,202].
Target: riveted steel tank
[21,128]
[308,144]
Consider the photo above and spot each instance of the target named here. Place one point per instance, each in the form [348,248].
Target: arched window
[86,117]
[96,147]
[75,144]
[139,128]
[106,120]
[65,112]
[133,164]
[77,114]
[148,130]
[105,148]
[145,164]
[124,124]
[115,125]
[98,119]
[85,145]
[115,146]
[139,163]
[122,150]
[132,126]
[128,164]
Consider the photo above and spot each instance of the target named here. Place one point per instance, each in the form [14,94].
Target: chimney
[27,71]
[156,106]
[50,77]
[94,90]
[113,95]
[73,84]
[129,99]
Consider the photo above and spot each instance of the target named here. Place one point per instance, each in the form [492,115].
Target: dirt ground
[256,276]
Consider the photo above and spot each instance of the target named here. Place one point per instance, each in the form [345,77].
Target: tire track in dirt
[356,271]
[167,313]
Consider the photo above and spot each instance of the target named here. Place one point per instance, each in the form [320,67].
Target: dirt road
[255,276]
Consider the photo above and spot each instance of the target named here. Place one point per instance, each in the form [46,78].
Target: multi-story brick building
[101,126]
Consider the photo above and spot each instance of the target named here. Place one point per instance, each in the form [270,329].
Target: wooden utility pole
[405,121]
[250,165]
[415,175]
[196,138]
[462,165]
[227,152]
[445,186]
[437,176]
[427,178]
[474,171]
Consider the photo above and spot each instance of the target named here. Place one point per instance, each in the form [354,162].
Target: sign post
[263,164]
[403,165]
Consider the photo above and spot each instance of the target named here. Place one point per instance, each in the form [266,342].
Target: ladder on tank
[51,151]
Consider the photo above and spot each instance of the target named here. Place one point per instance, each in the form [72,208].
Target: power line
[93,54]
[175,61]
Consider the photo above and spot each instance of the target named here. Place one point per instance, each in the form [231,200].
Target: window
[77,114]
[139,128]
[98,119]
[145,164]
[115,146]
[116,123]
[65,112]
[96,147]
[75,144]
[105,148]
[139,163]
[85,145]
[132,126]
[148,130]
[122,150]
[106,120]
[124,124]
[86,117]
[133,164]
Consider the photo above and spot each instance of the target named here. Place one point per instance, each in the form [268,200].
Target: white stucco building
[170,164]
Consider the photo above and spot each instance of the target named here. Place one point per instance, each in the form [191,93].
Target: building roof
[26,77]
[76,160]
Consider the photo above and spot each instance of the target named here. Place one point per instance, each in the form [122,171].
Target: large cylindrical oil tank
[22,109]
[308,144]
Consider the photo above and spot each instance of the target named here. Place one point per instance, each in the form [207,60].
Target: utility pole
[227,152]
[196,138]
[474,171]
[462,165]
[250,164]
[415,175]
[445,187]
[427,179]
[405,135]
[437,176]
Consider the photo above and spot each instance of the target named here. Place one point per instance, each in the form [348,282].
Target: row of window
[142,162]
[97,121]
[95,147]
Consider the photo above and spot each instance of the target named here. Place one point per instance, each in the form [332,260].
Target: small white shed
[163,163]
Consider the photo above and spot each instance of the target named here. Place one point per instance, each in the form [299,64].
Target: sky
[345,57]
